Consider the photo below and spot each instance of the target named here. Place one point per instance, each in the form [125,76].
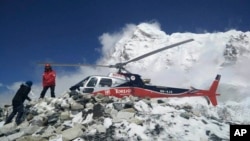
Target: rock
[3,138]
[98,111]
[78,118]
[113,113]
[131,110]
[128,105]
[89,105]
[107,122]
[91,117]
[39,120]
[31,138]
[65,104]
[15,136]
[53,119]
[29,130]
[56,138]
[118,106]
[136,121]
[186,115]
[48,132]
[99,97]
[72,133]
[100,128]
[78,139]
[64,115]
[123,116]
[88,119]
[8,129]
[76,106]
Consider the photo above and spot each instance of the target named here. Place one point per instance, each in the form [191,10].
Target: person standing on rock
[49,81]
[17,102]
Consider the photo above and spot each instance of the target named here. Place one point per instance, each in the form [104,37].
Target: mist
[192,64]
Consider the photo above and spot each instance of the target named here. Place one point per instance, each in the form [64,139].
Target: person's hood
[29,83]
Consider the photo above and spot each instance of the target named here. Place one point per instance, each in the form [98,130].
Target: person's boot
[18,121]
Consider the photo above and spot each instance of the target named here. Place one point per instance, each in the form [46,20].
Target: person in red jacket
[49,81]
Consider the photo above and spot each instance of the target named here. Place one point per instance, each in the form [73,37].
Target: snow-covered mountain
[191,64]
[74,116]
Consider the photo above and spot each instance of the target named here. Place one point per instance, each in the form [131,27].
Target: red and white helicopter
[123,83]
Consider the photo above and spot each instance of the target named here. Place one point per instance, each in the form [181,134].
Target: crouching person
[17,102]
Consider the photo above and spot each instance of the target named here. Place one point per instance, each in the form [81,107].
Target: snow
[192,64]
[107,122]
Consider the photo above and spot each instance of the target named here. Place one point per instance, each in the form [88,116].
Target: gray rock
[123,116]
[76,106]
[72,133]
[64,115]
[99,98]
[8,129]
[30,130]
[31,138]
[39,120]
[89,105]
[15,136]
[186,115]
[118,106]
[48,132]
[79,139]
[100,128]
[131,110]
[4,138]
[98,111]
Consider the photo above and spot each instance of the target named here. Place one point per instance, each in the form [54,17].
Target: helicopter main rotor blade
[72,65]
[120,65]
[156,51]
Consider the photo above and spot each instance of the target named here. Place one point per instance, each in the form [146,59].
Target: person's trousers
[52,91]
[16,110]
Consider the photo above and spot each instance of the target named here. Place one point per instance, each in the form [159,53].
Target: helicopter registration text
[107,93]
[166,91]
[123,91]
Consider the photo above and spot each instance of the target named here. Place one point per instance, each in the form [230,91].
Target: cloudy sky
[66,31]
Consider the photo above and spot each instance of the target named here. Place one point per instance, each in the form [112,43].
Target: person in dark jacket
[49,81]
[18,100]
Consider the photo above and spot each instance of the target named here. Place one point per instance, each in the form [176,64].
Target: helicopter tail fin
[212,90]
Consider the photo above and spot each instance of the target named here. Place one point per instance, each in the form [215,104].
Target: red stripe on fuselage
[140,92]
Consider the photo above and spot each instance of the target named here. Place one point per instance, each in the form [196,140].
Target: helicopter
[124,83]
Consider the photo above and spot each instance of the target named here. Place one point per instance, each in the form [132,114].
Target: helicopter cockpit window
[83,81]
[105,82]
[92,82]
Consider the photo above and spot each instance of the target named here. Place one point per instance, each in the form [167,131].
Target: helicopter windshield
[79,84]
[82,83]
[92,82]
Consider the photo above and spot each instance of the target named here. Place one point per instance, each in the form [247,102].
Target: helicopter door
[90,85]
